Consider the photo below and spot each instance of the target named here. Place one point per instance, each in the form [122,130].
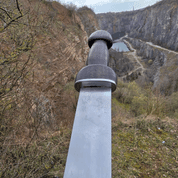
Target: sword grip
[99,53]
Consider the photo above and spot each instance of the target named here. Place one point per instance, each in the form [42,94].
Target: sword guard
[96,76]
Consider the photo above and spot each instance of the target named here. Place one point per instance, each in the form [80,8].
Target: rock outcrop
[161,65]
[89,19]
[40,57]
[122,66]
[157,23]
[153,33]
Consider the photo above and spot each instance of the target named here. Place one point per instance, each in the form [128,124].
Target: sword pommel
[100,35]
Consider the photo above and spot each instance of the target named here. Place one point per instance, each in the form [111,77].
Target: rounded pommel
[100,35]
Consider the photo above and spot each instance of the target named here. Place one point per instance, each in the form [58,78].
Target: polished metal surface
[89,153]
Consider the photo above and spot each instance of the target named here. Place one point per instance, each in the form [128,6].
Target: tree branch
[6,12]
[12,20]
[18,7]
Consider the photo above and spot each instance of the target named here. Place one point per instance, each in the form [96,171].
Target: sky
[112,5]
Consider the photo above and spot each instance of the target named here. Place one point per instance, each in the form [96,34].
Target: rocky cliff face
[89,20]
[40,56]
[161,65]
[157,23]
[153,36]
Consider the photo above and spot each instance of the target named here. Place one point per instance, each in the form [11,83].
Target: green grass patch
[141,101]
[145,149]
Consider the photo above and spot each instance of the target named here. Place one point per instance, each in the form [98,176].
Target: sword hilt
[97,73]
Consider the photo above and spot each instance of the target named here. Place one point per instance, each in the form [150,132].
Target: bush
[126,91]
[138,105]
[71,7]
[171,103]
[141,101]
[150,61]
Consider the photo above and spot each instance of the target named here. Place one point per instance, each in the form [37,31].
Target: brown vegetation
[89,20]
[43,46]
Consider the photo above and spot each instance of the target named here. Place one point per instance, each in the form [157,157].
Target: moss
[150,61]
[172,68]
[69,86]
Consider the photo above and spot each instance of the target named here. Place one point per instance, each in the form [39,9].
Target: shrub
[71,7]
[171,103]
[138,105]
[141,101]
[150,61]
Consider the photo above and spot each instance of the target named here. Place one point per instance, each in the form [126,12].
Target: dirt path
[135,57]
[156,46]
[151,44]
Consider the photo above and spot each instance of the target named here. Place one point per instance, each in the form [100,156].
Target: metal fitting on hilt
[97,73]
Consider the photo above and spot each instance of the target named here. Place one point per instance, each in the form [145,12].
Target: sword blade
[89,154]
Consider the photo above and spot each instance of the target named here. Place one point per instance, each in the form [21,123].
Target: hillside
[43,46]
[89,19]
[152,33]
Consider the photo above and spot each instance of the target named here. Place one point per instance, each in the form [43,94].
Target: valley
[154,41]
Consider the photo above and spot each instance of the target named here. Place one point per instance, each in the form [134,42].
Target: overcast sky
[112,5]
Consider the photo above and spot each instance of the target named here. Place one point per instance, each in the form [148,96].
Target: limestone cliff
[157,23]
[89,20]
[152,35]
[41,53]
[161,65]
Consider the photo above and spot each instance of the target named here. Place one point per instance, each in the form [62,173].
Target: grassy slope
[144,133]
[145,148]
[42,100]
[144,141]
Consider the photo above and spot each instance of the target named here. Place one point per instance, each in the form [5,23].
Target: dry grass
[40,56]
[145,149]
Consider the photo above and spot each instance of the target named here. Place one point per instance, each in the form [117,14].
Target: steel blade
[89,154]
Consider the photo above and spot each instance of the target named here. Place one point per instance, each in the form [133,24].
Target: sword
[89,154]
